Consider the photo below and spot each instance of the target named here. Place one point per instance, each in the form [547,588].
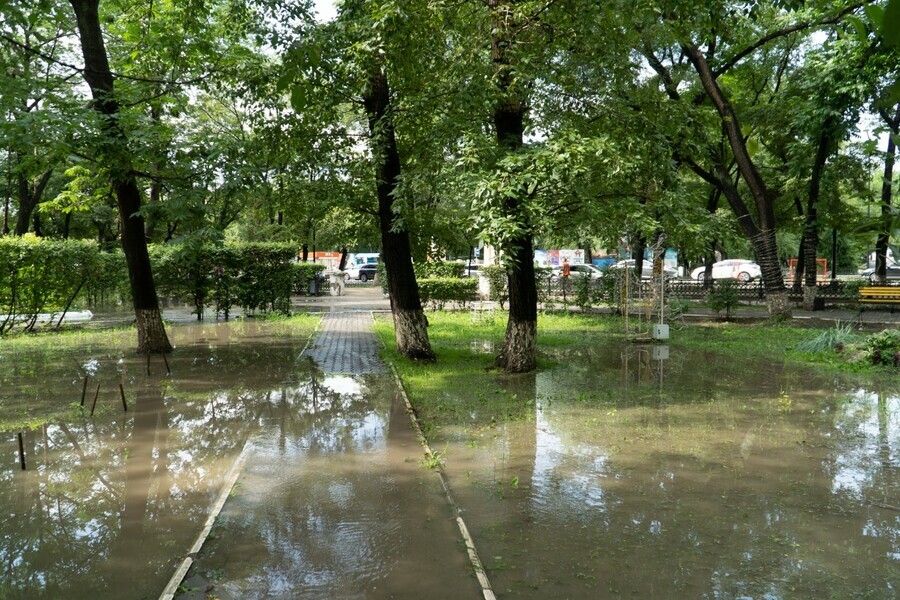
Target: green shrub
[266,277]
[544,283]
[41,276]
[608,290]
[584,292]
[723,296]
[883,348]
[304,272]
[203,273]
[185,271]
[108,283]
[432,270]
[497,283]
[381,273]
[853,286]
[437,291]
[225,264]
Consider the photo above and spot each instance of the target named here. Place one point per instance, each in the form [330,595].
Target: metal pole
[834,253]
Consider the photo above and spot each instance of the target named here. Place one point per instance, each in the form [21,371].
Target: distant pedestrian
[565,268]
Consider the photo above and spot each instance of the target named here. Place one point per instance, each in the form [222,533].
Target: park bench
[880,295]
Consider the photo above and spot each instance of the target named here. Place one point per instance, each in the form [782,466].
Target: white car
[579,271]
[739,269]
[646,268]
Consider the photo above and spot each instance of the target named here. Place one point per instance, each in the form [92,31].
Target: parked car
[646,268]
[578,271]
[470,270]
[738,268]
[892,273]
[363,273]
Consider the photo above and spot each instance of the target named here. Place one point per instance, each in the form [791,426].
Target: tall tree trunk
[640,248]
[884,236]
[152,221]
[23,217]
[519,353]
[150,329]
[9,192]
[410,324]
[764,241]
[712,205]
[800,267]
[29,198]
[811,224]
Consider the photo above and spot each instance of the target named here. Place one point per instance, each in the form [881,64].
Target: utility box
[659,353]
[660,332]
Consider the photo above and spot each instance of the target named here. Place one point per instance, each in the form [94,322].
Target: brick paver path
[345,343]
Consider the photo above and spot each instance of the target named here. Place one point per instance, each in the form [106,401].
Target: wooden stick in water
[94,405]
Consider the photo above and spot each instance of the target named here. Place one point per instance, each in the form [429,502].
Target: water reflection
[108,504]
[333,504]
[686,477]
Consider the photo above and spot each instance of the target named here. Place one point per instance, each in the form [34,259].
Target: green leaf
[890,27]
[298,98]
[862,32]
[875,14]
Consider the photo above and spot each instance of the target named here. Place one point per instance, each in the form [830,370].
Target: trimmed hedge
[497,283]
[253,276]
[41,276]
[438,270]
[436,292]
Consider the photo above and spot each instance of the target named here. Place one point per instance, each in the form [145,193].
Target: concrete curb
[475,561]
[230,479]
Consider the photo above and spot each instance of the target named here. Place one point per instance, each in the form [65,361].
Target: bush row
[436,292]
[51,276]
[252,276]
[39,277]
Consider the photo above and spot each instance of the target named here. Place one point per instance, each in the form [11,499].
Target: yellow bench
[880,295]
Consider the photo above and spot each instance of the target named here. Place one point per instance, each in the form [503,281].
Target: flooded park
[628,471]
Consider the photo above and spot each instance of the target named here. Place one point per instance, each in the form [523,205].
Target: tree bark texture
[151,331]
[811,224]
[410,324]
[763,239]
[884,236]
[519,352]
[29,197]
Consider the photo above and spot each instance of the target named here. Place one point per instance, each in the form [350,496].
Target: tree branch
[781,33]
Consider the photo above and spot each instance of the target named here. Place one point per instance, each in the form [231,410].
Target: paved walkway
[333,501]
[346,344]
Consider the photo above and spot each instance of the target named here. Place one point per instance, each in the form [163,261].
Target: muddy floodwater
[630,471]
[107,505]
[650,472]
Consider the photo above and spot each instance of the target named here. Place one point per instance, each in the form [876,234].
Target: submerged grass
[40,351]
[462,388]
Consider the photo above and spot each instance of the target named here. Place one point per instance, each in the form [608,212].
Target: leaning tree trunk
[410,324]
[519,353]
[150,329]
[764,241]
[884,236]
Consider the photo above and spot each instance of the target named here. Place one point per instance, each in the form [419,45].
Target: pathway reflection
[333,504]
